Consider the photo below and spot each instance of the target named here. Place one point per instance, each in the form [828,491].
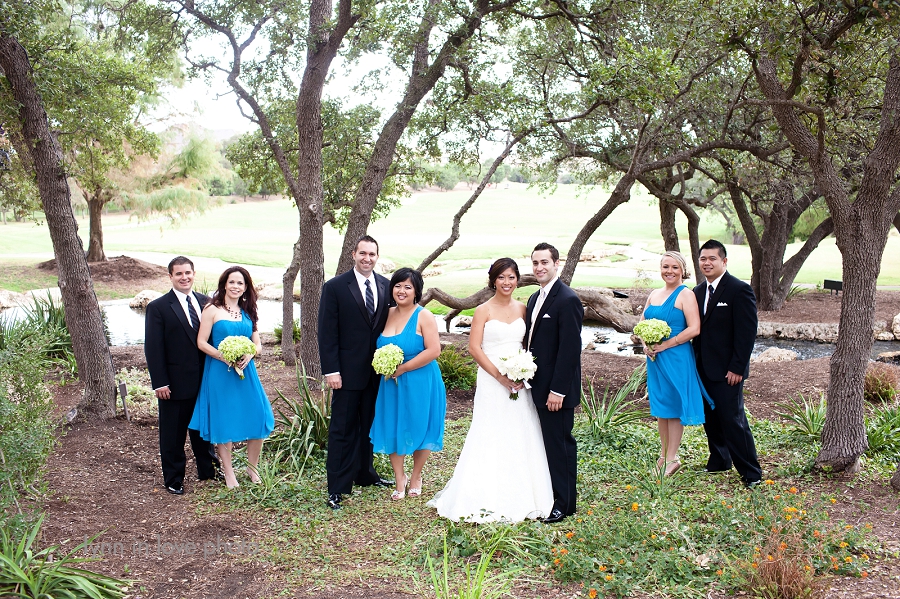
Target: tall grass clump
[302,422]
[32,573]
[458,369]
[882,383]
[806,417]
[607,413]
[883,431]
[474,580]
[279,328]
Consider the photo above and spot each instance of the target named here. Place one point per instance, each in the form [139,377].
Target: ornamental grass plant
[882,382]
[458,369]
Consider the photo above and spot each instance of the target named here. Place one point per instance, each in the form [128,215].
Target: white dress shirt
[714,285]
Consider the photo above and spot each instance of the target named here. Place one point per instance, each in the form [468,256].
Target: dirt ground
[104,478]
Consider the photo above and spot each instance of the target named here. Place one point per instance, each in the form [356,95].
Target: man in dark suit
[722,349]
[553,336]
[352,313]
[176,367]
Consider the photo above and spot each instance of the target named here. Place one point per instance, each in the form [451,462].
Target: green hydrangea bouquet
[387,359]
[652,330]
[233,348]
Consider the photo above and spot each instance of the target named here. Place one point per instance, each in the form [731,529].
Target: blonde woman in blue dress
[673,384]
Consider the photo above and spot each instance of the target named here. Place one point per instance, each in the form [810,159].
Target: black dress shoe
[383,482]
[556,515]
[751,484]
[179,490]
[334,501]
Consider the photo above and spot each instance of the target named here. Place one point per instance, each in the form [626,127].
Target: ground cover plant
[634,533]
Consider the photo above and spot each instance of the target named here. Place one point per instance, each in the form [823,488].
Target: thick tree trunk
[667,211]
[288,350]
[862,242]
[895,480]
[83,317]
[95,251]
[620,194]
[693,236]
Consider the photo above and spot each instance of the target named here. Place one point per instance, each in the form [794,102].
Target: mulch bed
[116,269]
[104,478]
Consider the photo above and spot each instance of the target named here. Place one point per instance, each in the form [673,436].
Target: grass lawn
[503,222]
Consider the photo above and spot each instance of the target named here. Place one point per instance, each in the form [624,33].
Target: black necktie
[195,320]
[709,299]
[370,301]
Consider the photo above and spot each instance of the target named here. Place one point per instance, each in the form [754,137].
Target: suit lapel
[382,298]
[182,317]
[357,295]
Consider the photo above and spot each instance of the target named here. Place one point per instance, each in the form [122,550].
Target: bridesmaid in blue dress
[410,407]
[676,393]
[229,409]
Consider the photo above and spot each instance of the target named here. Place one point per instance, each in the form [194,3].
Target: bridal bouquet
[652,331]
[387,359]
[233,348]
[518,367]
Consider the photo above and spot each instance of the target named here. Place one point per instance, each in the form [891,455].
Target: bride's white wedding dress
[502,472]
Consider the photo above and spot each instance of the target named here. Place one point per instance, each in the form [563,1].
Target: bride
[502,472]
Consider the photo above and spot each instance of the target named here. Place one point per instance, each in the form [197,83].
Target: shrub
[882,382]
[786,571]
[458,369]
[278,329]
[883,430]
[303,423]
[26,428]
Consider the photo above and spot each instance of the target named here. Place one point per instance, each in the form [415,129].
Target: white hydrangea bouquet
[233,348]
[387,359]
[652,330]
[518,367]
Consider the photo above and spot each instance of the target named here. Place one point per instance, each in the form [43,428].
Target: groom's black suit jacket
[727,329]
[346,335]
[170,346]
[556,345]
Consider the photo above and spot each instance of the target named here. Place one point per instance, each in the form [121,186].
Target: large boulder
[10,299]
[895,327]
[140,301]
[775,354]
[884,336]
[385,266]
[891,357]
[802,331]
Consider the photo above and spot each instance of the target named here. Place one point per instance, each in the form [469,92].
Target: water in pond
[126,327]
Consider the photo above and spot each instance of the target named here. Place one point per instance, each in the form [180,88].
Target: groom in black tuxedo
[553,336]
[352,313]
[176,367]
[722,349]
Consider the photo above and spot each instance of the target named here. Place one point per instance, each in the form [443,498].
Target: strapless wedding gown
[502,472]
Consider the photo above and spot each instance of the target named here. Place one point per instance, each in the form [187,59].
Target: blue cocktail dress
[229,409]
[409,412]
[673,382]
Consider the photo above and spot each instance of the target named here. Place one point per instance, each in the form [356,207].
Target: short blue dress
[673,382]
[229,409]
[409,412]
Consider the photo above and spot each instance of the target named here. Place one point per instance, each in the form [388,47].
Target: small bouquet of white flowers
[233,348]
[652,330]
[387,359]
[518,367]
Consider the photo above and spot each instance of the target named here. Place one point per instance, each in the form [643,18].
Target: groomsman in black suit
[352,313]
[553,336]
[176,367]
[722,349]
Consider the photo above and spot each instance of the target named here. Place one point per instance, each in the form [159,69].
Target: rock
[895,480]
[885,336]
[590,346]
[891,357]
[587,257]
[270,291]
[433,272]
[464,321]
[385,266]
[895,327]
[601,338]
[775,354]
[10,299]
[140,301]
[803,331]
